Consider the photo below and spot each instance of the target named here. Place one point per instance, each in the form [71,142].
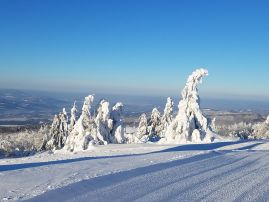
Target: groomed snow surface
[220,171]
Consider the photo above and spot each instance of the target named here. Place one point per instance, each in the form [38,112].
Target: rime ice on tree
[155,125]
[118,130]
[167,117]
[142,130]
[261,130]
[73,117]
[104,127]
[190,125]
[103,122]
[58,132]
[81,133]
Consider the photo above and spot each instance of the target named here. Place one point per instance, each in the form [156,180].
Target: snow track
[200,172]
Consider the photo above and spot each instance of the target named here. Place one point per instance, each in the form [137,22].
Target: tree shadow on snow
[189,147]
[205,147]
[81,190]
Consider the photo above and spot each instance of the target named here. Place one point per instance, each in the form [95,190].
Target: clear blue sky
[135,46]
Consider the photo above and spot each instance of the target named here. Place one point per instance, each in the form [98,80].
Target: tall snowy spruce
[73,117]
[103,122]
[83,129]
[189,125]
[155,125]
[58,133]
[118,125]
[141,135]
[167,117]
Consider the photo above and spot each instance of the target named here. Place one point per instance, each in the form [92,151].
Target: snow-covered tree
[142,130]
[47,143]
[267,120]
[190,124]
[58,132]
[118,125]
[155,125]
[84,129]
[261,130]
[73,117]
[167,117]
[63,127]
[85,116]
[104,123]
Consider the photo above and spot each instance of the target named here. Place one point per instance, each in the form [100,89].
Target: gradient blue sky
[135,46]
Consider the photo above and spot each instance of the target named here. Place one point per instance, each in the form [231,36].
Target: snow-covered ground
[221,171]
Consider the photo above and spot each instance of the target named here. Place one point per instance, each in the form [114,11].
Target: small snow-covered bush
[244,130]
[261,130]
[20,143]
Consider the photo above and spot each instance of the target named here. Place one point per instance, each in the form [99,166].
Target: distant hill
[19,107]
[22,107]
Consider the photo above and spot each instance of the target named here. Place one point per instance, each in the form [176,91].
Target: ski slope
[223,171]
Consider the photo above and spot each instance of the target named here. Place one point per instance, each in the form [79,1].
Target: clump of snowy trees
[261,130]
[21,143]
[243,130]
[105,126]
[154,128]
[189,125]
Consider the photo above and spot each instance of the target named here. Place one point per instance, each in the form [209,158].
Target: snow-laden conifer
[118,123]
[167,116]
[261,130]
[155,125]
[103,122]
[142,130]
[84,129]
[190,124]
[58,132]
[73,117]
